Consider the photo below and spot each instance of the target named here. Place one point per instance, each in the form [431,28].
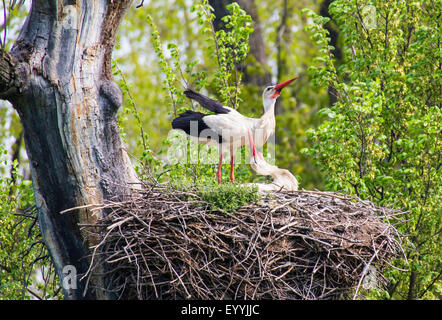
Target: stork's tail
[198,97]
[193,95]
[205,102]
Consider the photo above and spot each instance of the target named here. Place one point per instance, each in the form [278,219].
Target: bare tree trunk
[412,292]
[58,77]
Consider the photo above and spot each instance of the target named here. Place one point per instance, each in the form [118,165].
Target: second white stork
[227,128]
[283,180]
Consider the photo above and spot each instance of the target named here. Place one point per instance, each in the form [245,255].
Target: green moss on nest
[228,197]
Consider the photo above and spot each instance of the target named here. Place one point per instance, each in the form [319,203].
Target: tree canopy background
[364,117]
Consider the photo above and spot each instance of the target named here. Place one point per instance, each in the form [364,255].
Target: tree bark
[412,292]
[58,77]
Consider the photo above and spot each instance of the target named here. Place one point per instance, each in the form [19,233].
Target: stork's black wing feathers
[184,122]
[205,102]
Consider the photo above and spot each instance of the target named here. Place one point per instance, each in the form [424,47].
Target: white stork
[228,128]
[283,180]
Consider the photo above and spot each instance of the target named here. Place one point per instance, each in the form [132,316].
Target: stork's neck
[269,106]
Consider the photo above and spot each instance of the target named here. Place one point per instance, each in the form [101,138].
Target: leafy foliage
[228,197]
[22,254]
[382,139]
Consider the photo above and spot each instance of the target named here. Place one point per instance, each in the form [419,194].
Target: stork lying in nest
[283,180]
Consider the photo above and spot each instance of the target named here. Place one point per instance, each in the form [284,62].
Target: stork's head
[271,93]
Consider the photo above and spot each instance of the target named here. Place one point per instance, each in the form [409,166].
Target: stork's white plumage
[282,178]
[227,128]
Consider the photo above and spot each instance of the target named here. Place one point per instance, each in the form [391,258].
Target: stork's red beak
[279,87]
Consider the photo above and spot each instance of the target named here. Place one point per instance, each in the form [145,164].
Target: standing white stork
[228,128]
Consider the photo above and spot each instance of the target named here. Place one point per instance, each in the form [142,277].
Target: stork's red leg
[218,173]
[232,166]
[252,146]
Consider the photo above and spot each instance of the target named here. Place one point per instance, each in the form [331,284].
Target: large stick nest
[299,245]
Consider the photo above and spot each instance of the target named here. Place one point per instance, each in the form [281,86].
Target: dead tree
[58,77]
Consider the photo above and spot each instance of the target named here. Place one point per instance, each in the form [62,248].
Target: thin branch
[132,102]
